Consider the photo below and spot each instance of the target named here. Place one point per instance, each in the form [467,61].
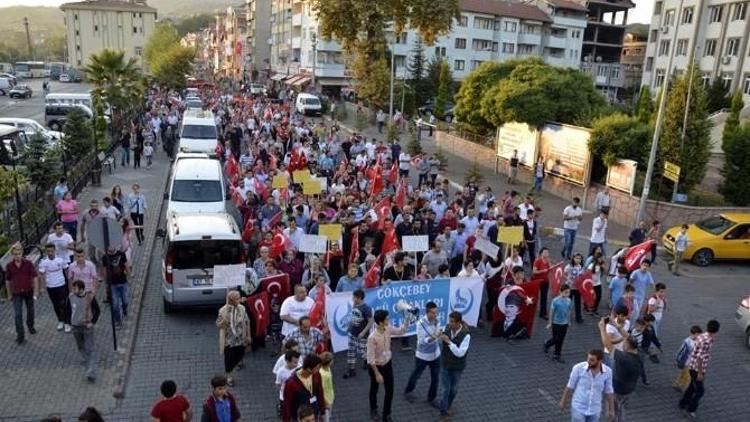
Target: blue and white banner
[456,294]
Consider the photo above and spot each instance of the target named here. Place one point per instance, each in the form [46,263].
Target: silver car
[742,316]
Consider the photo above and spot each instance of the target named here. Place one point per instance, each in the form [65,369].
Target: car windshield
[196,191]
[715,225]
[205,253]
[199,132]
[312,101]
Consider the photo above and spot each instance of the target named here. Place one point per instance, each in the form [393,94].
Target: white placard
[229,275]
[416,243]
[313,243]
[487,247]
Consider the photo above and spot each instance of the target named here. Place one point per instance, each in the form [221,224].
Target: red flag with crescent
[318,311]
[259,308]
[401,194]
[279,244]
[390,241]
[515,309]
[231,168]
[585,286]
[383,210]
[373,275]
[276,285]
[556,276]
[237,198]
[273,221]
[637,254]
[354,253]
[393,174]
[248,230]
[376,182]
[261,189]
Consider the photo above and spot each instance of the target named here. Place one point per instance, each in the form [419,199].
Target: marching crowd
[270,153]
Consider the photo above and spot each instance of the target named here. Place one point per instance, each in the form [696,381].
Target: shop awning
[333,82]
[302,80]
[293,79]
[278,77]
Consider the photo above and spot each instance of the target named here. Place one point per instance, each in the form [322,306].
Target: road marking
[546,396]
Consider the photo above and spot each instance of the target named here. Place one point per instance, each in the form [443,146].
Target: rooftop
[568,4]
[118,5]
[504,8]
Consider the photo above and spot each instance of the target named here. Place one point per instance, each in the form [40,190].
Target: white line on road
[546,396]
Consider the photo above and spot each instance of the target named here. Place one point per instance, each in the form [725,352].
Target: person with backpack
[82,319]
[682,381]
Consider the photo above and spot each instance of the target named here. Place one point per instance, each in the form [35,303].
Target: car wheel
[448,119]
[168,307]
[703,257]
[55,126]
[13,96]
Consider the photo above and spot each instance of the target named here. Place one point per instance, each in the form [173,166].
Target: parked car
[726,236]
[20,91]
[743,318]
[55,115]
[13,79]
[31,127]
[428,107]
[258,89]
[6,84]
[308,104]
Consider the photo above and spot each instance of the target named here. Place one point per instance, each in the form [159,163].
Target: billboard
[520,137]
[621,175]
[566,153]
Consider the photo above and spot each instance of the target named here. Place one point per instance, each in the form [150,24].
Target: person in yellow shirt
[327,378]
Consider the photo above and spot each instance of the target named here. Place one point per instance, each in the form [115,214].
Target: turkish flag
[376,182]
[237,198]
[556,275]
[279,244]
[318,311]
[248,230]
[354,253]
[231,168]
[276,285]
[373,275]
[261,189]
[393,174]
[585,286]
[516,302]
[637,254]
[390,242]
[259,308]
[383,210]
[401,194]
[274,221]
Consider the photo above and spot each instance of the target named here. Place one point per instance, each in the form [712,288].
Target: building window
[135,29]
[481,45]
[575,33]
[75,17]
[510,27]
[687,15]
[527,49]
[664,48]
[706,79]
[726,79]
[528,29]
[464,21]
[659,77]
[460,43]
[401,38]
[459,65]
[669,18]
[77,33]
[509,48]
[399,60]
[440,51]
[654,35]
[746,84]
[615,74]
[710,49]
[682,47]
[738,12]
[138,51]
[657,8]
[714,13]
[601,70]
[733,47]
[475,64]
[482,23]
[649,64]
[78,48]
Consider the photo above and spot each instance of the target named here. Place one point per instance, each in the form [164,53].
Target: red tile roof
[504,8]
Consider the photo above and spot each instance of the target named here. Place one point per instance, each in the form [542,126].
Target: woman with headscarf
[234,332]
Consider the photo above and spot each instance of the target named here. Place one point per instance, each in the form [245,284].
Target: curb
[127,344]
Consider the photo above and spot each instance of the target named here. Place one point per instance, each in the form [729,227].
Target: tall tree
[445,80]
[78,141]
[417,69]
[691,155]
[167,59]
[644,108]
[371,73]
[717,96]
[733,119]
[736,186]
[117,81]
[164,36]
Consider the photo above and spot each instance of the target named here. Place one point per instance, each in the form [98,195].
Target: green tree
[717,96]
[413,147]
[474,85]
[736,186]
[78,141]
[733,119]
[372,78]
[164,36]
[168,60]
[619,136]
[194,23]
[41,169]
[417,69]
[474,173]
[444,86]
[117,82]
[644,108]
[692,155]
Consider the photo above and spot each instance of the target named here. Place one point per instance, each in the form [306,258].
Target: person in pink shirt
[67,211]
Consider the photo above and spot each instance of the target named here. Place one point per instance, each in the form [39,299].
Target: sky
[642,13]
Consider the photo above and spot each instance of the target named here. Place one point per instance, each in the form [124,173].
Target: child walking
[560,312]
[682,381]
[148,152]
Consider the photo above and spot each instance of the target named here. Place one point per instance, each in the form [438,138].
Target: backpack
[682,355]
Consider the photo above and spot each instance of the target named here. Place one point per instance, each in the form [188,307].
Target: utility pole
[28,38]
[314,39]
[393,64]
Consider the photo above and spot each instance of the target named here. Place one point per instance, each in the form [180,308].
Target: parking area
[33,108]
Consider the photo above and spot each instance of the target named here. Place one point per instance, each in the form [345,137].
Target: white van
[308,104]
[193,245]
[69,98]
[198,132]
[196,185]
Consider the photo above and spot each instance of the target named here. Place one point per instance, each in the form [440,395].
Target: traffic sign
[671,171]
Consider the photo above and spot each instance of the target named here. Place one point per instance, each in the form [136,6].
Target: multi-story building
[633,56]
[602,45]
[228,44]
[258,41]
[712,32]
[93,25]
[488,30]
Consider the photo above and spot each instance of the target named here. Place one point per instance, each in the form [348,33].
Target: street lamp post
[314,40]
[393,65]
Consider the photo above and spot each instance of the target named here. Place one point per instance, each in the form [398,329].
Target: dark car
[447,111]
[20,91]
[55,115]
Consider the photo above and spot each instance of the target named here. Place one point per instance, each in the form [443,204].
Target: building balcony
[324,45]
[297,19]
[330,70]
[524,38]
[554,42]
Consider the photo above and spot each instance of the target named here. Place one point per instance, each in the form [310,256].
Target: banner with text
[456,294]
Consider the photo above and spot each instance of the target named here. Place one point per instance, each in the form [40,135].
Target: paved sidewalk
[552,205]
[44,377]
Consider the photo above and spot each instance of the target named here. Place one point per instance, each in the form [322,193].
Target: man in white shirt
[109,211]
[599,232]
[52,269]
[525,207]
[427,354]
[63,242]
[293,232]
[588,382]
[293,308]
[572,216]
[439,206]
[404,161]
[470,220]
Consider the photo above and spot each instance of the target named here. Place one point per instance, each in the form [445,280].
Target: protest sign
[331,231]
[485,246]
[229,275]
[301,176]
[311,243]
[415,243]
[510,235]
[311,187]
[280,181]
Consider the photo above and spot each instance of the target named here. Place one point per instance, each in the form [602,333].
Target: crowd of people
[369,190]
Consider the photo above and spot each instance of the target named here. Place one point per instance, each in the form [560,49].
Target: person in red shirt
[173,407]
[448,220]
[541,273]
[22,283]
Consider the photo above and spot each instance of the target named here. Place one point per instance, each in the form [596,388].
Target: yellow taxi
[726,236]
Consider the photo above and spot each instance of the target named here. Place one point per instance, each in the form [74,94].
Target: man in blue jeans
[427,354]
[572,216]
[116,272]
[456,339]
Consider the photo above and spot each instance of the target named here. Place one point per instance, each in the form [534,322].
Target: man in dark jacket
[220,405]
[304,387]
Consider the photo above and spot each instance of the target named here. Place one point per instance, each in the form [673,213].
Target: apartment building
[227,45]
[94,25]
[714,32]
[258,38]
[489,30]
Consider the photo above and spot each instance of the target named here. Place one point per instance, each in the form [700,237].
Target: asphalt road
[33,108]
